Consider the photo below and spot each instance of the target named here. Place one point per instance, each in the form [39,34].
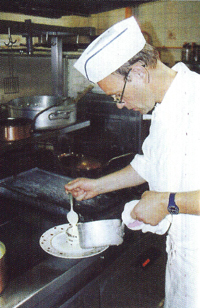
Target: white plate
[55,242]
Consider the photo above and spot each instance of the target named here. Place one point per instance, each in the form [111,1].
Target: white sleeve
[141,163]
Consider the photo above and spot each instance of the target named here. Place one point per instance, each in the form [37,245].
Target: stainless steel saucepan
[101,233]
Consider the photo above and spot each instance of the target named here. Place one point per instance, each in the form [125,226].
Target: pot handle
[42,111]
[120,156]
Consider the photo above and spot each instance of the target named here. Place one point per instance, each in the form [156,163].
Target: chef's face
[137,94]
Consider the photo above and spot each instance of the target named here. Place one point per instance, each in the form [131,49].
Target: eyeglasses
[118,99]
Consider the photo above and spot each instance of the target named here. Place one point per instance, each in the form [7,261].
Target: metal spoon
[71,215]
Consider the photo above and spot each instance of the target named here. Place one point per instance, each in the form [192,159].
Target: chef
[128,69]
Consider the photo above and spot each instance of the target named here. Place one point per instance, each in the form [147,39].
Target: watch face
[173,209]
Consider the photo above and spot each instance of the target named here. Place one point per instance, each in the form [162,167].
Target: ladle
[71,215]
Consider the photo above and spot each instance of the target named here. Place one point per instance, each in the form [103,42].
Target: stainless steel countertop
[53,279]
[34,275]
[37,279]
[45,279]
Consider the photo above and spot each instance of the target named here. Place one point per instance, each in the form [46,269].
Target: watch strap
[172,207]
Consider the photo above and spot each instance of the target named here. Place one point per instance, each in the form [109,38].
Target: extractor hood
[58,8]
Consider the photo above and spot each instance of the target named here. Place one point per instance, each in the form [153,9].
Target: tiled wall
[170,24]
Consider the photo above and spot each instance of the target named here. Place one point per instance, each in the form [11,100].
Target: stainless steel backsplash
[34,75]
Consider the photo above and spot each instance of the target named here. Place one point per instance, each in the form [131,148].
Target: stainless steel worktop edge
[56,277]
[43,279]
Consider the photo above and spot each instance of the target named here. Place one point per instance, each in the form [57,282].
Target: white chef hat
[111,50]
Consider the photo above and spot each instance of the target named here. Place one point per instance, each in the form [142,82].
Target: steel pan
[101,233]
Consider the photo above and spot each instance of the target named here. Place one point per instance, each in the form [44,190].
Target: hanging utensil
[72,216]
[11,83]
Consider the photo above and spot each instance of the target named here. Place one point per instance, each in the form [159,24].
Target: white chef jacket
[171,163]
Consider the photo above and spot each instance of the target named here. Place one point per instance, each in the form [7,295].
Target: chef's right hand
[82,188]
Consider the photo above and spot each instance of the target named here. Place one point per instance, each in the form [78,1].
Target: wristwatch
[172,207]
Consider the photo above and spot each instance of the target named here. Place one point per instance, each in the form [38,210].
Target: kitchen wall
[168,24]
[39,81]
[33,73]
[99,21]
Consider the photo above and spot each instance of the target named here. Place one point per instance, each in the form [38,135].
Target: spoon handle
[71,201]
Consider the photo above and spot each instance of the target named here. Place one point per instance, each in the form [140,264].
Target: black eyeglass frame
[122,94]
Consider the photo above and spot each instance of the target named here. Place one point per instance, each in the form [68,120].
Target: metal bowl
[101,233]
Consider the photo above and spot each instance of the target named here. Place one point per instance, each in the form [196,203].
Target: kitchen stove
[35,278]
[32,273]
[32,200]
[38,160]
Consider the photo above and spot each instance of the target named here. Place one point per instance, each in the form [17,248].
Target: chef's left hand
[152,207]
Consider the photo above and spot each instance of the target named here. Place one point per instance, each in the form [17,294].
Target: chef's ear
[139,69]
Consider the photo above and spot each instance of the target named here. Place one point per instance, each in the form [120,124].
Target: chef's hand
[82,188]
[152,207]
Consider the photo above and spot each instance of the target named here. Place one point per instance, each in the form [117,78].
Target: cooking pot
[30,106]
[77,164]
[12,129]
[101,233]
[47,112]
[3,275]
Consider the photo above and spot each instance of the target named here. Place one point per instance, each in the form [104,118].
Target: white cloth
[111,50]
[171,163]
[133,224]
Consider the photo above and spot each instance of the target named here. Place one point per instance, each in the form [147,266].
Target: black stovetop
[21,171]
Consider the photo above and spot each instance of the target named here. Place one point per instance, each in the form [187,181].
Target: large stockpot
[12,129]
[47,112]
[30,106]
[101,233]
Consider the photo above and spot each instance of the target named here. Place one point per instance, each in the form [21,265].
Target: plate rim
[52,232]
